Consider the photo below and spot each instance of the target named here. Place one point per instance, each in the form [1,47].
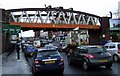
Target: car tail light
[36,61]
[118,50]
[36,69]
[62,63]
[89,56]
[35,43]
[62,60]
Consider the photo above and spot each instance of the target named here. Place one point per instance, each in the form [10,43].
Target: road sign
[13,29]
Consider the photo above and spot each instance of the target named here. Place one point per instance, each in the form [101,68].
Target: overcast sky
[97,7]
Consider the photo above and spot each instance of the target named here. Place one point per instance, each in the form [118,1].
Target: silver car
[114,49]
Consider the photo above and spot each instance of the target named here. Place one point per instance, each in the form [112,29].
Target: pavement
[11,66]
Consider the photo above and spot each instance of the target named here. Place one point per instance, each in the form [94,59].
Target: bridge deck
[57,26]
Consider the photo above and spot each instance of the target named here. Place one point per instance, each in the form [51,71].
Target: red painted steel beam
[39,25]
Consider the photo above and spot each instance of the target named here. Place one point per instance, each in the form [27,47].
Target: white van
[37,43]
[114,49]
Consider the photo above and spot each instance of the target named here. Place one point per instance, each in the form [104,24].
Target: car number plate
[49,62]
[103,60]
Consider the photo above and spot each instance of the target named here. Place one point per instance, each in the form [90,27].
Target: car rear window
[84,51]
[47,53]
[96,50]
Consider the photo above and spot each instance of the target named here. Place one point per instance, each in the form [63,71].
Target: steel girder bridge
[52,19]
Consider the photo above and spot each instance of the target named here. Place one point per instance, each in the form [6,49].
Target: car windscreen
[48,53]
[96,50]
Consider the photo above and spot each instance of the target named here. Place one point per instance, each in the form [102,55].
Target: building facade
[1,31]
[119,9]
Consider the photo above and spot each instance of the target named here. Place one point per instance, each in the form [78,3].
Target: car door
[109,48]
[112,49]
[82,54]
[74,55]
[79,55]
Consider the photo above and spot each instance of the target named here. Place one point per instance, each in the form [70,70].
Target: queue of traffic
[48,57]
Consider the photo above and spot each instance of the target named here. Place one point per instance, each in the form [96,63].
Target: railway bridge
[58,19]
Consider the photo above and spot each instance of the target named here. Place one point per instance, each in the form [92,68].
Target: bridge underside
[53,27]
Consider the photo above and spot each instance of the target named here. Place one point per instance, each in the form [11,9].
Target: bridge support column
[105,25]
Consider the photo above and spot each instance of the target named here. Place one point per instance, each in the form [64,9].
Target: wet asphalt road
[76,70]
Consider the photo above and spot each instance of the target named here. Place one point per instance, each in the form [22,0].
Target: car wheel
[115,58]
[108,66]
[85,65]
[69,61]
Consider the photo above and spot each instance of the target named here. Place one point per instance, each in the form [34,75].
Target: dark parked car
[24,45]
[47,59]
[90,55]
[29,50]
